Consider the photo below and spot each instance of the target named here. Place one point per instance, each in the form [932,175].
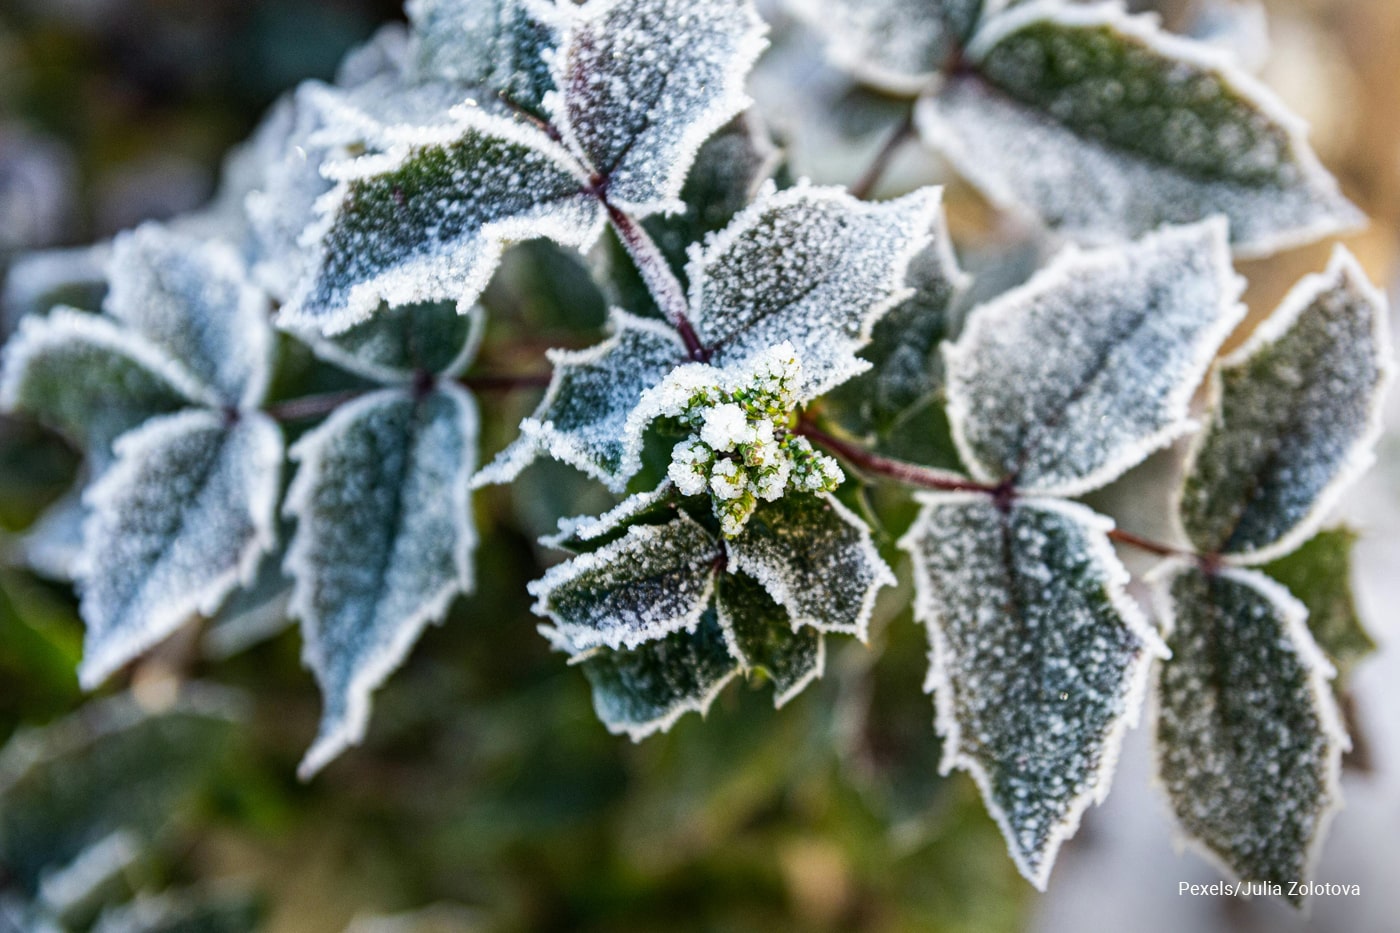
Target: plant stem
[494,382]
[901,134]
[1148,545]
[911,474]
[659,279]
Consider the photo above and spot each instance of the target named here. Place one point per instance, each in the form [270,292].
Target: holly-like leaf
[90,379]
[642,83]
[1249,740]
[428,220]
[397,344]
[761,635]
[491,46]
[195,301]
[1295,414]
[1063,384]
[383,543]
[178,522]
[652,582]
[583,419]
[811,266]
[1039,658]
[1105,127]
[895,45]
[1318,573]
[645,689]
[816,559]
[53,545]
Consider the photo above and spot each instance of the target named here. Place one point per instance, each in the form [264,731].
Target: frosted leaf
[1104,127]
[85,376]
[650,583]
[1318,574]
[194,300]
[53,545]
[642,83]
[1296,412]
[428,220]
[761,635]
[257,612]
[816,559]
[496,46]
[383,543]
[399,342]
[177,523]
[895,45]
[38,281]
[1061,385]
[577,533]
[583,419]
[644,690]
[811,266]
[1249,740]
[1039,658]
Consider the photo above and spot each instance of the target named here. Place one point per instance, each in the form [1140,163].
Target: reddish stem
[911,474]
[901,134]
[659,279]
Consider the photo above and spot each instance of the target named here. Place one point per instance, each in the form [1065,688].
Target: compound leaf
[816,559]
[1318,573]
[1105,127]
[642,83]
[761,635]
[429,219]
[1295,414]
[644,690]
[178,522]
[383,542]
[654,581]
[1063,384]
[1249,740]
[1039,658]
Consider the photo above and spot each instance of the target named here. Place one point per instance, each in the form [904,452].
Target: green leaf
[1249,739]
[42,280]
[1063,384]
[644,690]
[1318,573]
[1105,127]
[429,220]
[816,559]
[898,46]
[383,543]
[1295,413]
[761,635]
[179,522]
[652,582]
[490,46]
[399,343]
[1039,658]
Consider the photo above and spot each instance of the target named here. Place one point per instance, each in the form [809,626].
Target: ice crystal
[1063,384]
[1039,658]
[1295,414]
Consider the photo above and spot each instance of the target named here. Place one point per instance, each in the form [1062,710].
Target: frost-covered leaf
[383,543]
[428,220]
[583,418]
[1039,658]
[811,266]
[1104,127]
[115,768]
[588,532]
[177,523]
[36,282]
[815,557]
[761,635]
[654,581]
[194,300]
[1295,414]
[895,45]
[493,46]
[1318,574]
[397,343]
[1249,740]
[644,690]
[83,375]
[1063,384]
[642,83]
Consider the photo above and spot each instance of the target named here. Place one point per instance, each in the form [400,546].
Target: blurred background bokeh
[487,796]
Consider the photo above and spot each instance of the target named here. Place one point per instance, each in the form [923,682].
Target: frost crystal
[1063,384]
[177,523]
[1105,127]
[383,542]
[1039,658]
[1249,739]
[1296,412]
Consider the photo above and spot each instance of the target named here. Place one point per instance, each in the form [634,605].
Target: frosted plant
[797,385]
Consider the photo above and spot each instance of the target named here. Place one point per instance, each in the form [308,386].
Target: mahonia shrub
[799,390]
